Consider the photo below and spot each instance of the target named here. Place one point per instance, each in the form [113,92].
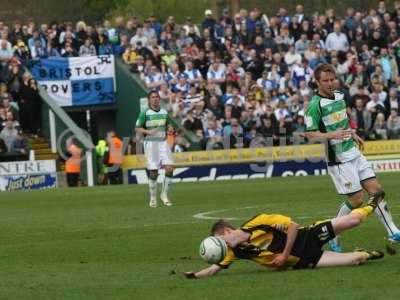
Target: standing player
[152,123]
[327,120]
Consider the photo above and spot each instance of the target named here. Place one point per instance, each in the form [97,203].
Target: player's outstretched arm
[207,272]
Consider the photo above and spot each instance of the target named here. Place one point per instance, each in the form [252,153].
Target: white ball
[213,249]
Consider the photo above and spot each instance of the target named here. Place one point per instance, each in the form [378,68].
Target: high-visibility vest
[73,164]
[115,149]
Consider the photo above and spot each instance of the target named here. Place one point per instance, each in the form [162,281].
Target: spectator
[269,131]
[337,40]
[362,118]
[154,79]
[380,128]
[21,52]
[73,163]
[87,48]
[5,57]
[209,22]
[139,37]
[291,57]
[393,124]
[105,47]
[9,134]
[114,158]
[302,45]
[21,145]
[130,55]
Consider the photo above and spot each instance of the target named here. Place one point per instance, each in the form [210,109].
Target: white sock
[383,214]
[166,185]
[153,189]
[344,210]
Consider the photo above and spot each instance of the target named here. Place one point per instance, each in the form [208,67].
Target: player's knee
[356,200]
[153,174]
[380,193]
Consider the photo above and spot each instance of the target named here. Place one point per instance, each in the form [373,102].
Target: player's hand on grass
[279,261]
[190,275]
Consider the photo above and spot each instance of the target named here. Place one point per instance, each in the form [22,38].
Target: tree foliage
[180,9]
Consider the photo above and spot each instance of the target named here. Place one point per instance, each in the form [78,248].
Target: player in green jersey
[152,123]
[326,120]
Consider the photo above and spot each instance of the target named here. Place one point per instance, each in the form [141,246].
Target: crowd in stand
[247,77]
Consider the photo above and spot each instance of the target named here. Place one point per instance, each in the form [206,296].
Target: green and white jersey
[327,115]
[154,120]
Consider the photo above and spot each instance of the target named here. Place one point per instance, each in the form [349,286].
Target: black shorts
[72,179]
[309,243]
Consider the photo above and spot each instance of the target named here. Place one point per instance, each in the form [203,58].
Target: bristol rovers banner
[75,81]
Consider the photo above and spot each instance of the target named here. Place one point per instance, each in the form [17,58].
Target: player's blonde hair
[219,226]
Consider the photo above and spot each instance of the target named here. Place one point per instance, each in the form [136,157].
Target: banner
[253,170]
[28,175]
[236,171]
[386,165]
[299,153]
[382,147]
[28,182]
[74,81]
[213,157]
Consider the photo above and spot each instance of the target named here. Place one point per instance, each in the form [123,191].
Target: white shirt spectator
[154,80]
[337,41]
[193,75]
[292,58]
[9,135]
[85,50]
[149,32]
[216,74]
[139,37]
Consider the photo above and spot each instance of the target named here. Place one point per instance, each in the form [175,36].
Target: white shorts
[348,176]
[158,154]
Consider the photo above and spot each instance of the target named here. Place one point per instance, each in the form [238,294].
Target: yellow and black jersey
[268,239]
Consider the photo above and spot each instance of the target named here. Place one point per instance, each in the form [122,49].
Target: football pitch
[106,243]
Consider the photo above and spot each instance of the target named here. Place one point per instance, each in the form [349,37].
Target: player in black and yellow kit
[278,242]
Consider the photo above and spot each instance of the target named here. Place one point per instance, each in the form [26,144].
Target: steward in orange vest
[114,158]
[73,163]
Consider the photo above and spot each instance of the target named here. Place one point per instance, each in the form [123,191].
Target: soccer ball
[213,249]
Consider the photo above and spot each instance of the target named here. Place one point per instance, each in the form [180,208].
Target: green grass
[105,243]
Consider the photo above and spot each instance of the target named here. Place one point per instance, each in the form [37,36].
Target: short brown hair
[151,93]
[219,226]
[328,68]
